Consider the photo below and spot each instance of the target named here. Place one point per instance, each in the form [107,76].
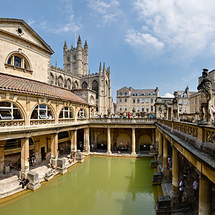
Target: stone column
[160,145]
[204,196]
[75,140]
[54,145]
[108,141]
[153,136]
[1,158]
[133,142]
[87,140]
[73,144]
[25,155]
[175,178]
[165,153]
[175,170]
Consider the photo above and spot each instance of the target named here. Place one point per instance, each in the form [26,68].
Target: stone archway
[102,141]
[123,139]
[144,142]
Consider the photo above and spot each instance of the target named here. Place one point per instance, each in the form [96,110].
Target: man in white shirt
[181,190]
[195,189]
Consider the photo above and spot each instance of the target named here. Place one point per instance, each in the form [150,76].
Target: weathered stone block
[33,178]
[61,162]
[61,165]
[79,156]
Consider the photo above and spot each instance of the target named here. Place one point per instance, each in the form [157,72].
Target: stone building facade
[136,100]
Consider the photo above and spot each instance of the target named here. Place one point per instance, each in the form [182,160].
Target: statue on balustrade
[175,106]
[205,88]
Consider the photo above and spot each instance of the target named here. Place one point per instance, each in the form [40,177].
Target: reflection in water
[97,186]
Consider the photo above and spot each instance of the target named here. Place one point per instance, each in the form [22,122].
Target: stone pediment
[19,29]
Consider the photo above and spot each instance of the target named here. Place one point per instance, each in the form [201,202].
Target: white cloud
[30,22]
[107,10]
[183,25]
[139,39]
[73,23]
[168,95]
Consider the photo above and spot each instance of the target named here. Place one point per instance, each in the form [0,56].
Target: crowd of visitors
[125,115]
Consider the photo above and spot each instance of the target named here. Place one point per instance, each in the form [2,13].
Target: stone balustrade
[9,123]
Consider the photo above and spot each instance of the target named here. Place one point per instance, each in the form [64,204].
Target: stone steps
[9,186]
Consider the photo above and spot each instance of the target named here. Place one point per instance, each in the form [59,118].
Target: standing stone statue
[206,93]
[175,106]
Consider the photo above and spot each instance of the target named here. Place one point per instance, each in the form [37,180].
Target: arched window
[81,113]
[84,85]
[68,83]
[42,111]
[8,111]
[51,78]
[95,87]
[75,85]
[66,113]
[60,81]
[18,60]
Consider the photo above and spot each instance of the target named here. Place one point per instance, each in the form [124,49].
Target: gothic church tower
[76,59]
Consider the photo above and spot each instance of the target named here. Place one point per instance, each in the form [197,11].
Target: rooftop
[31,87]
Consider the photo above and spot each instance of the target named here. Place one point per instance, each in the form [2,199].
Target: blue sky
[146,43]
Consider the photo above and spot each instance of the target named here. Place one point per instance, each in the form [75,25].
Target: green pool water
[99,186]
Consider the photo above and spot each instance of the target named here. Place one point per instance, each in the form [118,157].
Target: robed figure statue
[205,88]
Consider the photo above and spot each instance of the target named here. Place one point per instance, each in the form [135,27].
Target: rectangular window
[138,101]
[185,109]
[147,109]
[142,101]
[151,108]
[185,101]
[120,107]
[138,108]
[120,100]
[142,108]
[125,100]
[125,108]
[151,100]
[180,101]
[125,93]
[133,100]
[147,100]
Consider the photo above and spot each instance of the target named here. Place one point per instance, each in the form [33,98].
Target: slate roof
[31,87]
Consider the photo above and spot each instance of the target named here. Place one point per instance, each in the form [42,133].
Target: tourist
[92,146]
[10,165]
[195,189]
[24,182]
[212,113]
[129,115]
[70,160]
[114,146]
[127,146]
[181,190]
[33,159]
